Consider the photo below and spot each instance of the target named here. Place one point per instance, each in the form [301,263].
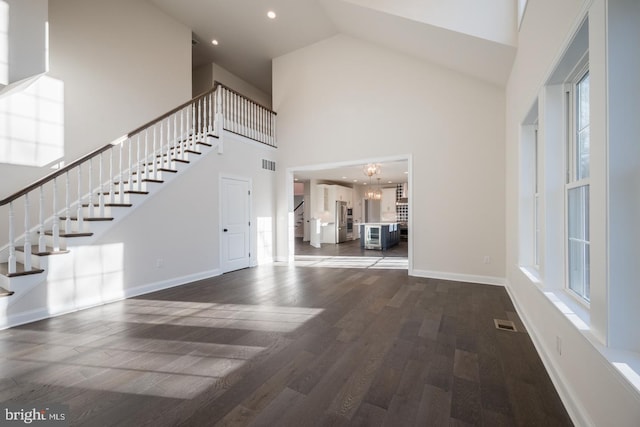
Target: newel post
[218,122]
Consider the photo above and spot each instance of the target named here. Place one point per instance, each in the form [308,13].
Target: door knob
[225,230]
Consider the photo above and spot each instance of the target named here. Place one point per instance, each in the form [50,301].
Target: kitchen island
[379,235]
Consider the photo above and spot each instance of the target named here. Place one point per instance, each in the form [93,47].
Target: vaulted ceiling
[475,37]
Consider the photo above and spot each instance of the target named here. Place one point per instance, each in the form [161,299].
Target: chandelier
[371,169]
[372,194]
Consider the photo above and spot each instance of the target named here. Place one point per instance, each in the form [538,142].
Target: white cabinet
[388,205]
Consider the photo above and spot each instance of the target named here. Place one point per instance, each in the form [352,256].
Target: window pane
[578,244]
[583,102]
[582,131]
[582,154]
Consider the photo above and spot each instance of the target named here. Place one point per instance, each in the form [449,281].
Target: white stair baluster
[254,121]
[130,169]
[169,143]
[205,117]
[55,231]
[140,161]
[12,242]
[175,136]
[218,110]
[80,213]
[121,174]
[112,189]
[210,128]
[101,186]
[182,148]
[27,235]
[42,241]
[91,207]
[67,204]
[161,159]
[190,126]
[198,121]
[153,155]
[273,130]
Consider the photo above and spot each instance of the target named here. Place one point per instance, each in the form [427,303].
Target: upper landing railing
[103,176]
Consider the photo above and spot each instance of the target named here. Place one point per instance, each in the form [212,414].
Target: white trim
[576,411]
[290,253]
[44,313]
[471,278]
[221,177]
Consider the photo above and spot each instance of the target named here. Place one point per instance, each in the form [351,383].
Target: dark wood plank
[307,346]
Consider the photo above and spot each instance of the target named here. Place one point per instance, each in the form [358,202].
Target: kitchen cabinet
[388,205]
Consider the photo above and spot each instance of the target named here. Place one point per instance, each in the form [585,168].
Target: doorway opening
[345,217]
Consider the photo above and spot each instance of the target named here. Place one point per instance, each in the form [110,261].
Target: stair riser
[36,261]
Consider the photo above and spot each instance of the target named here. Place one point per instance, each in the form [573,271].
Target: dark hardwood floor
[349,248]
[286,346]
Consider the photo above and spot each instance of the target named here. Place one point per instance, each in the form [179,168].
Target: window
[577,186]
[537,206]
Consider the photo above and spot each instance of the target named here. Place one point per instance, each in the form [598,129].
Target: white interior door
[235,198]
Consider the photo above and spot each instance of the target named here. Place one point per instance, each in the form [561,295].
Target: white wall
[205,75]
[493,20]
[26,39]
[114,57]
[344,100]
[582,348]
[122,63]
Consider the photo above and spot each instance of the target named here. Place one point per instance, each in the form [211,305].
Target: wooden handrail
[55,174]
[167,114]
[96,152]
[217,83]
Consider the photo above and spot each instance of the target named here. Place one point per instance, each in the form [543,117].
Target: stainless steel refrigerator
[341,222]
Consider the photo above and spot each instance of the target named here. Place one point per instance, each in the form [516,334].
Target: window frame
[573,181]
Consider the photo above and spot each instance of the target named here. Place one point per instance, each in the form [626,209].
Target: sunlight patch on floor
[395,263]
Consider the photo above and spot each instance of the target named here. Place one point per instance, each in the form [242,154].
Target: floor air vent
[505,325]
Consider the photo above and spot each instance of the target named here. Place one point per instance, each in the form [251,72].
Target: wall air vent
[269,165]
[505,325]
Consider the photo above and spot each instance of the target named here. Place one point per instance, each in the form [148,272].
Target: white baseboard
[22,318]
[574,408]
[471,278]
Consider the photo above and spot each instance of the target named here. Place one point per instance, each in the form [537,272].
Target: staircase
[80,201]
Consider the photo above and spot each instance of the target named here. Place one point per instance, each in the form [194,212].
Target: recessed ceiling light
[355,180]
[214,42]
[389,182]
[344,177]
[295,179]
[271,14]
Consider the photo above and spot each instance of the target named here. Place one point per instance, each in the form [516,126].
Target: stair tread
[20,271]
[90,218]
[159,181]
[48,251]
[127,192]
[109,205]
[71,234]
[5,293]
